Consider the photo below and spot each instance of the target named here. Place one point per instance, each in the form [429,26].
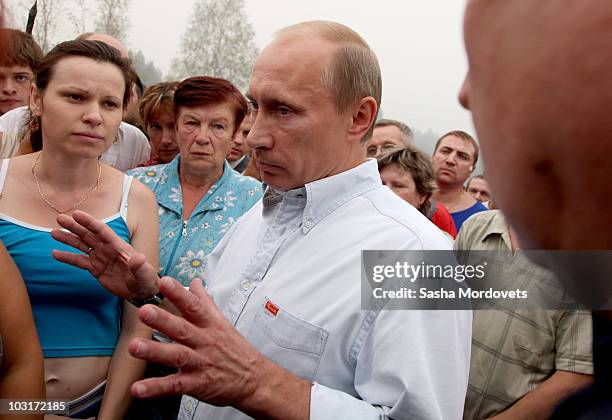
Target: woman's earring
[34,123]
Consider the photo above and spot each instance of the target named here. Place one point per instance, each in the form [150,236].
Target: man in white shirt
[289,338]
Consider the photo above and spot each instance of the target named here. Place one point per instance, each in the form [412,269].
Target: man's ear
[35,100]
[363,117]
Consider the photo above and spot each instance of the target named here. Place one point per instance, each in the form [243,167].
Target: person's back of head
[107,39]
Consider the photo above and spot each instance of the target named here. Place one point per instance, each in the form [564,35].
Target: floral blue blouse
[184,244]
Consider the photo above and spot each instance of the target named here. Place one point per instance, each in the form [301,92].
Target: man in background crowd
[17,68]
[238,156]
[389,134]
[477,187]
[523,362]
[454,159]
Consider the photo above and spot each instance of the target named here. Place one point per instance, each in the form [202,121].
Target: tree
[45,24]
[219,41]
[113,18]
[148,73]
[78,15]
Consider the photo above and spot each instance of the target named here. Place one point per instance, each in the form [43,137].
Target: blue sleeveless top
[74,315]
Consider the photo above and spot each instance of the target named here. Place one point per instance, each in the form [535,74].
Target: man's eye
[218,126]
[254,106]
[283,110]
[371,151]
[75,97]
[111,104]
[22,78]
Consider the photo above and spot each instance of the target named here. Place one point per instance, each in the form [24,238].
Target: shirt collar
[321,197]
[236,162]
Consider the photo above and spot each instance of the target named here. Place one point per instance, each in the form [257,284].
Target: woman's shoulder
[18,164]
[150,175]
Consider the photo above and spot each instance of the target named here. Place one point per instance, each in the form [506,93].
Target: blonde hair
[156,98]
[353,72]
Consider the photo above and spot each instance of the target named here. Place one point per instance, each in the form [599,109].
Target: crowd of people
[186,250]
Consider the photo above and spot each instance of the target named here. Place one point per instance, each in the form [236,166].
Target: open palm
[115,263]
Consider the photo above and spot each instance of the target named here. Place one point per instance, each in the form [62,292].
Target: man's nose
[9,87]
[450,159]
[464,93]
[259,136]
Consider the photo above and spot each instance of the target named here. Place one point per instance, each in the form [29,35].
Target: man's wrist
[277,394]
[152,294]
[155,299]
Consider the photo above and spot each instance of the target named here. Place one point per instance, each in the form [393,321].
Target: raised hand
[216,363]
[117,266]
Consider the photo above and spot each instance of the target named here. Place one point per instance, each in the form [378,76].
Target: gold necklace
[81,201]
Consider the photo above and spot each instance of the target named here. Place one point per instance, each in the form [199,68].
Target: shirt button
[246,285]
[308,224]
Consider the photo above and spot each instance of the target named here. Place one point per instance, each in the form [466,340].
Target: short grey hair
[353,72]
[407,134]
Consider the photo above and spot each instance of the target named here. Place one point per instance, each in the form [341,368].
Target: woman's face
[204,135]
[81,108]
[400,181]
[162,133]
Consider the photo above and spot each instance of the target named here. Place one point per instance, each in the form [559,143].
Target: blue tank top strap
[3,171]
[127,182]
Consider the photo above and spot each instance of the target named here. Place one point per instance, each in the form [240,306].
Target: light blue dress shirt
[288,277]
[184,244]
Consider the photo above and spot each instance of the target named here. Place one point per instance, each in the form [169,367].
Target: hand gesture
[117,266]
[216,363]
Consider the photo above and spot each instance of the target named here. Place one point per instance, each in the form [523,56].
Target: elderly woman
[198,194]
[77,104]
[157,114]
[408,172]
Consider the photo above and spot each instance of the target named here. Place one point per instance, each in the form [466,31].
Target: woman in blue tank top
[76,107]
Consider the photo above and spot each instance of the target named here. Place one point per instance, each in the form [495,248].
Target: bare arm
[540,403]
[21,372]
[125,369]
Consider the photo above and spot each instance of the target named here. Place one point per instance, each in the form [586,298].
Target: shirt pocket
[287,340]
[537,355]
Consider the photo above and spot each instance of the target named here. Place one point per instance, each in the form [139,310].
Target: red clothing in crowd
[440,217]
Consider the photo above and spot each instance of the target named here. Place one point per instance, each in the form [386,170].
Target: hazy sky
[419,45]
